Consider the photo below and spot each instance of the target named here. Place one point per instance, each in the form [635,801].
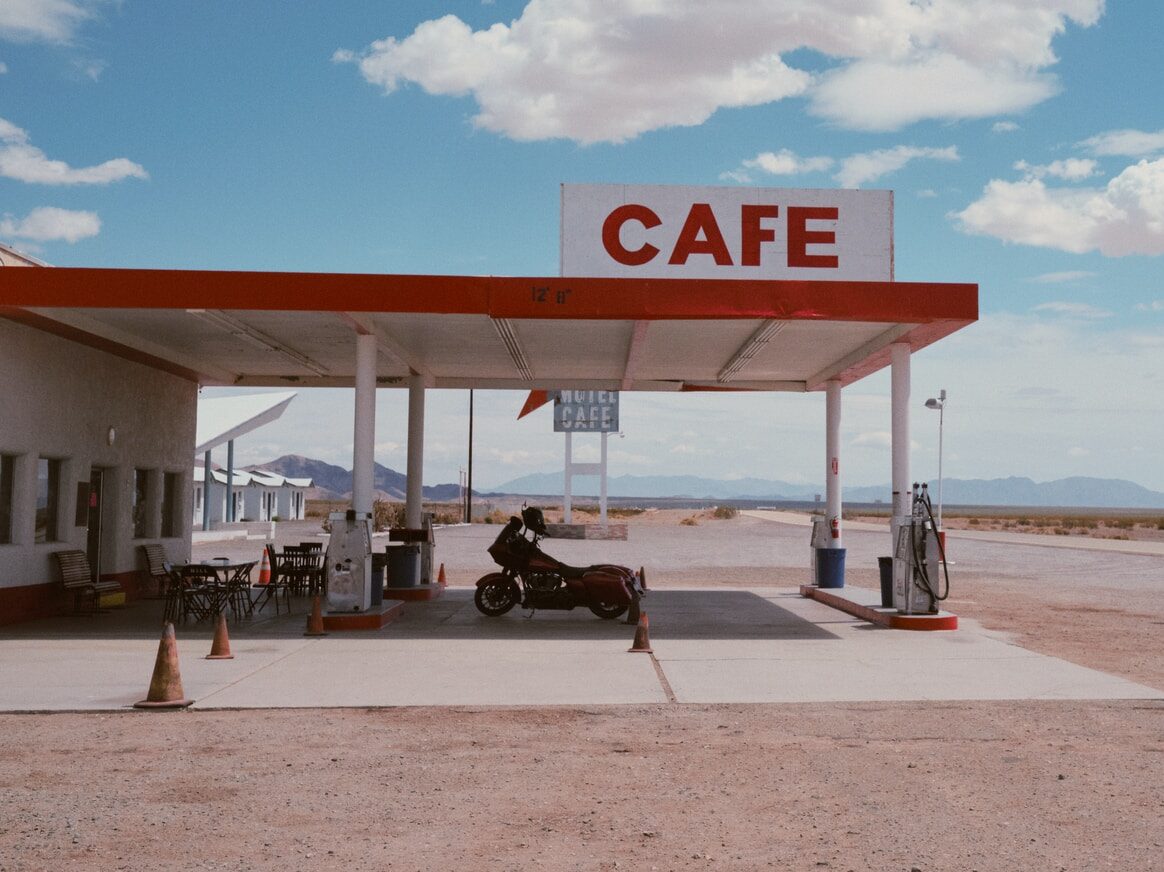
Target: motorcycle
[535,580]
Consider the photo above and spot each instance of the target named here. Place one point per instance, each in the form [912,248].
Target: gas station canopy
[296,329]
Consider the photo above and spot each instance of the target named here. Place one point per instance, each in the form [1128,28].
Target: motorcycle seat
[576,571]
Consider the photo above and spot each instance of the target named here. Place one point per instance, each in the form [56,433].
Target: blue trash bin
[403,565]
[830,567]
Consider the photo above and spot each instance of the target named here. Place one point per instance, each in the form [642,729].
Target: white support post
[364,435]
[899,377]
[602,484]
[833,507]
[568,480]
[414,496]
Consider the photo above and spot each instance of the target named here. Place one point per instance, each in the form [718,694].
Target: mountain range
[335,482]
[1014,491]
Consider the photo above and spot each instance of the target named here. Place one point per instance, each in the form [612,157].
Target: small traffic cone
[166,683]
[220,647]
[441,576]
[315,620]
[265,569]
[642,643]
[643,577]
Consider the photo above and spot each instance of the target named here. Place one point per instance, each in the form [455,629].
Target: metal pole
[230,519]
[833,508]
[364,441]
[941,424]
[900,379]
[414,493]
[207,481]
[469,475]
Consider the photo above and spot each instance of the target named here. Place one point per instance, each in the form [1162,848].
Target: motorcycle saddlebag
[606,587]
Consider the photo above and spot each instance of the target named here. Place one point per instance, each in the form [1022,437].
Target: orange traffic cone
[220,647]
[643,577]
[265,569]
[315,620]
[166,683]
[441,576]
[642,643]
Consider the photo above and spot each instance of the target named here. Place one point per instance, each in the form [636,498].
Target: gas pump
[919,560]
[348,563]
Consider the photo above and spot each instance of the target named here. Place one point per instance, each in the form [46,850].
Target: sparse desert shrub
[725,513]
[689,522]
[974,522]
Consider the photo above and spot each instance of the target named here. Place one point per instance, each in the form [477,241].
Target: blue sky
[1024,141]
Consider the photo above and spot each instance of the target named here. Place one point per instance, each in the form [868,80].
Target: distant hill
[334,482]
[1014,491]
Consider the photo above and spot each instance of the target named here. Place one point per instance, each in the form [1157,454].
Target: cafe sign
[585,411]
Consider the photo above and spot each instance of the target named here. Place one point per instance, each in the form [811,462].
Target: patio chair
[270,590]
[77,579]
[156,571]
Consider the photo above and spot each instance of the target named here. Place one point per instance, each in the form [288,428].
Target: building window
[7,471]
[48,496]
[141,491]
[171,486]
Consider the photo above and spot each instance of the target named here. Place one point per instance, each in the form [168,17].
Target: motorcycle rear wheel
[608,611]
[495,596]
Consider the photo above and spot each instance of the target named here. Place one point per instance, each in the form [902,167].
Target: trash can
[885,564]
[830,567]
[379,564]
[403,565]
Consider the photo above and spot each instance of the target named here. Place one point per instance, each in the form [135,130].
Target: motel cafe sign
[655,231]
[586,411]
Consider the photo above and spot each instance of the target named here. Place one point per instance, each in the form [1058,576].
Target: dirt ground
[906,786]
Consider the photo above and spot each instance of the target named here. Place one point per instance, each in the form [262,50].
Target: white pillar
[833,506]
[602,484]
[568,480]
[414,496]
[899,375]
[364,438]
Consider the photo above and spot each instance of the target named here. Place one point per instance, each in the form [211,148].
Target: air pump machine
[349,562]
[919,559]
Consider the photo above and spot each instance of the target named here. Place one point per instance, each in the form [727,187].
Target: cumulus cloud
[50,224]
[779,163]
[41,20]
[1124,217]
[1054,278]
[1154,306]
[21,160]
[1073,310]
[1126,143]
[860,169]
[1004,127]
[1072,169]
[611,70]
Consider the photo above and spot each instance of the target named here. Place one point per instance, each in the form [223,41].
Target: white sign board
[662,231]
[586,411]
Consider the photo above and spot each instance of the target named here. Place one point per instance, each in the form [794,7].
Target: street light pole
[940,405]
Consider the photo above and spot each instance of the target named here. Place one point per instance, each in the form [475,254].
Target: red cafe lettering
[701,235]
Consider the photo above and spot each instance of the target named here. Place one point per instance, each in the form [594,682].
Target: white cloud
[1072,310]
[859,169]
[24,162]
[42,20]
[1078,451]
[1055,278]
[3,68]
[1072,169]
[788,163]
[1125,217]
[1004,127]
[1154,306]
[1129,143]
[50,224]
[876,439]
[611,70]
[927,193]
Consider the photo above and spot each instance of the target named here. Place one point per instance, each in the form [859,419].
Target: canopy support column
[207,482]
[833,506]
[414,496]
[900,386]
[230,518]
[364,437]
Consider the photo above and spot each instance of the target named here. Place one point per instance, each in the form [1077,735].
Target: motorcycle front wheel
[608,611]
[495,595]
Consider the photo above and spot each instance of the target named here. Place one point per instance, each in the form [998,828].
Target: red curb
[880,617]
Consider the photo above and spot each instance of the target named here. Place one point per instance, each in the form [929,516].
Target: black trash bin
[403,565]
[830,567]
[885,564]
[379,564]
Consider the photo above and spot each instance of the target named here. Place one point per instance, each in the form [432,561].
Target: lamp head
[931,403]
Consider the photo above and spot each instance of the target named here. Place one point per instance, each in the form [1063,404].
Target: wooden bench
[77,579]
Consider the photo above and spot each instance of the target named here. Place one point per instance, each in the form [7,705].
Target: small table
[230,587]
